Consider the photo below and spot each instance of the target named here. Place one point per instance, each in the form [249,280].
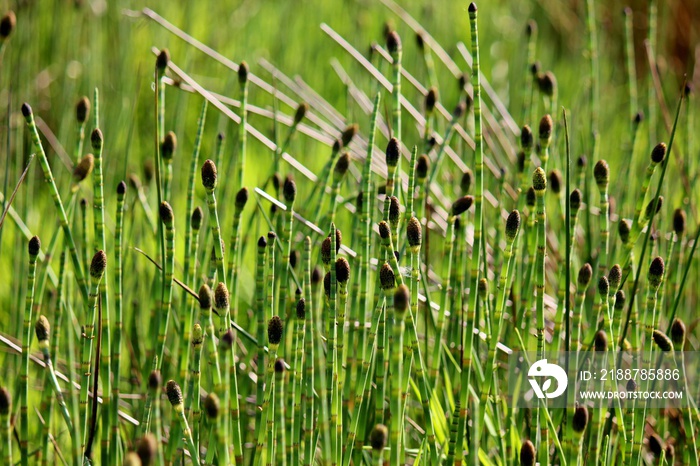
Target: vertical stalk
[34,248]
[467,333]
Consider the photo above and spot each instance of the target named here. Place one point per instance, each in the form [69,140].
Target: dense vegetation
[327,254]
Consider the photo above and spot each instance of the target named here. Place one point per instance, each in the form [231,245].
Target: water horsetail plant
[275,328]
[195,383]
[209,181]
[243,77]
[172,389]
[431,99]
[339,171]
[342,277]
[393,153]
[397,319]
[235,257]
[34,248]
[300,345]
[167,218]
[280,441]
[467,333]
[82,110]
[414,239]
[393,45]
[97,269]
[97,142]
[226,340]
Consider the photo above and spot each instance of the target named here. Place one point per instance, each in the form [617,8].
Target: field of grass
[330,232]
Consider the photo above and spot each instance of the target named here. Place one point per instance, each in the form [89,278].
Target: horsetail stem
[421,172]
[235,257]
[394,217]
[235,410]
[195,379]
[243,72]
[467,333]
[573,207]
[63,219]
[82,110]
[389,249]
[414,238]
[307,446]
[97,141]
[97,269]
[397,315]
[209,181]
[431,99]
[279,434]
[332,358]
[117,342]
[539,183]
[34,247]
[393,45]
[274,336]
[174,393]
[299,114]
[222,306]
[226,341]
[366,221]
[339,171]
[205,307]
[293,453]
[162,61]
[166,216]
[392,160]
[601,173]
[260,313]
[342,276]
[387,282]
[655,278]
